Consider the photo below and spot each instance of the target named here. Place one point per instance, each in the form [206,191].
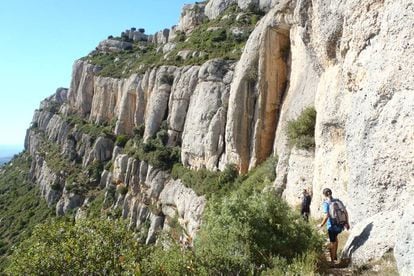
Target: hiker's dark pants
[305,214]
[333,232]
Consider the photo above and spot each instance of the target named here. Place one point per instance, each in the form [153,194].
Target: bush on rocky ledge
[301,132]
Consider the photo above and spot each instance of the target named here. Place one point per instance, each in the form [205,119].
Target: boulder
[112,45]
[161,37]
[101,151]
[215,7]
[68,201]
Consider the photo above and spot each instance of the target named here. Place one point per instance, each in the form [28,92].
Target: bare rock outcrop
[252,116]
[50,183]
[101,151]
[158,97]
[300,175]
[215,7]
[112,45]
[128,104]
[182,90]
[67,202]
[105,101]
[81,88]
[192,15]
[154,197]
[203,136]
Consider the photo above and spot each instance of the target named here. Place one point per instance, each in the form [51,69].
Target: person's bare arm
[325,219]
[347,225]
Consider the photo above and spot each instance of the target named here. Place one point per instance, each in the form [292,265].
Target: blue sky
[40,39]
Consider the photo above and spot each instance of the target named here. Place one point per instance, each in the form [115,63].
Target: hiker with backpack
[336,219]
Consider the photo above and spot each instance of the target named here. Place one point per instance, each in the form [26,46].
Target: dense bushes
[121,140]
[301,132]
[92,129]
[79,180]
[89,247]
[21,205]
[203,181]
[248,230]
[245,231]
[171,259]
[154,150]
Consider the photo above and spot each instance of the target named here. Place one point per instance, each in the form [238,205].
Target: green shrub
[162,136]
[91,129]
[257,179]
[110,196]
[218,35]
[180,36]
[95,170]
[246,231]
[121,140]
[205,182]
[241,233]
[139,131]
[56,187]
[89,247]
[96,204]
[122,189]
[154,150]
[301,132]
[301,265]
[170,259]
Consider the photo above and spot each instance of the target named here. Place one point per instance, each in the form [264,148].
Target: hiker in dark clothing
[305,208]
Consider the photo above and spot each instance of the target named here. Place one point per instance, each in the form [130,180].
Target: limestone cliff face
[351,60]
[153,197]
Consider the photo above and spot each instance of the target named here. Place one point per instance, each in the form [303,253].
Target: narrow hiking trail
[342,268]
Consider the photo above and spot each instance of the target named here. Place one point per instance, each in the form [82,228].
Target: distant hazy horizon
[10,150]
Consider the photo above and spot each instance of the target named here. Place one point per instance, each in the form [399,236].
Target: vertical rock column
[254,102]
[273,68]
[81,89]
[128,104]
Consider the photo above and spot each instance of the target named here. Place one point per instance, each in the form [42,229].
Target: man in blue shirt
[334,228]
